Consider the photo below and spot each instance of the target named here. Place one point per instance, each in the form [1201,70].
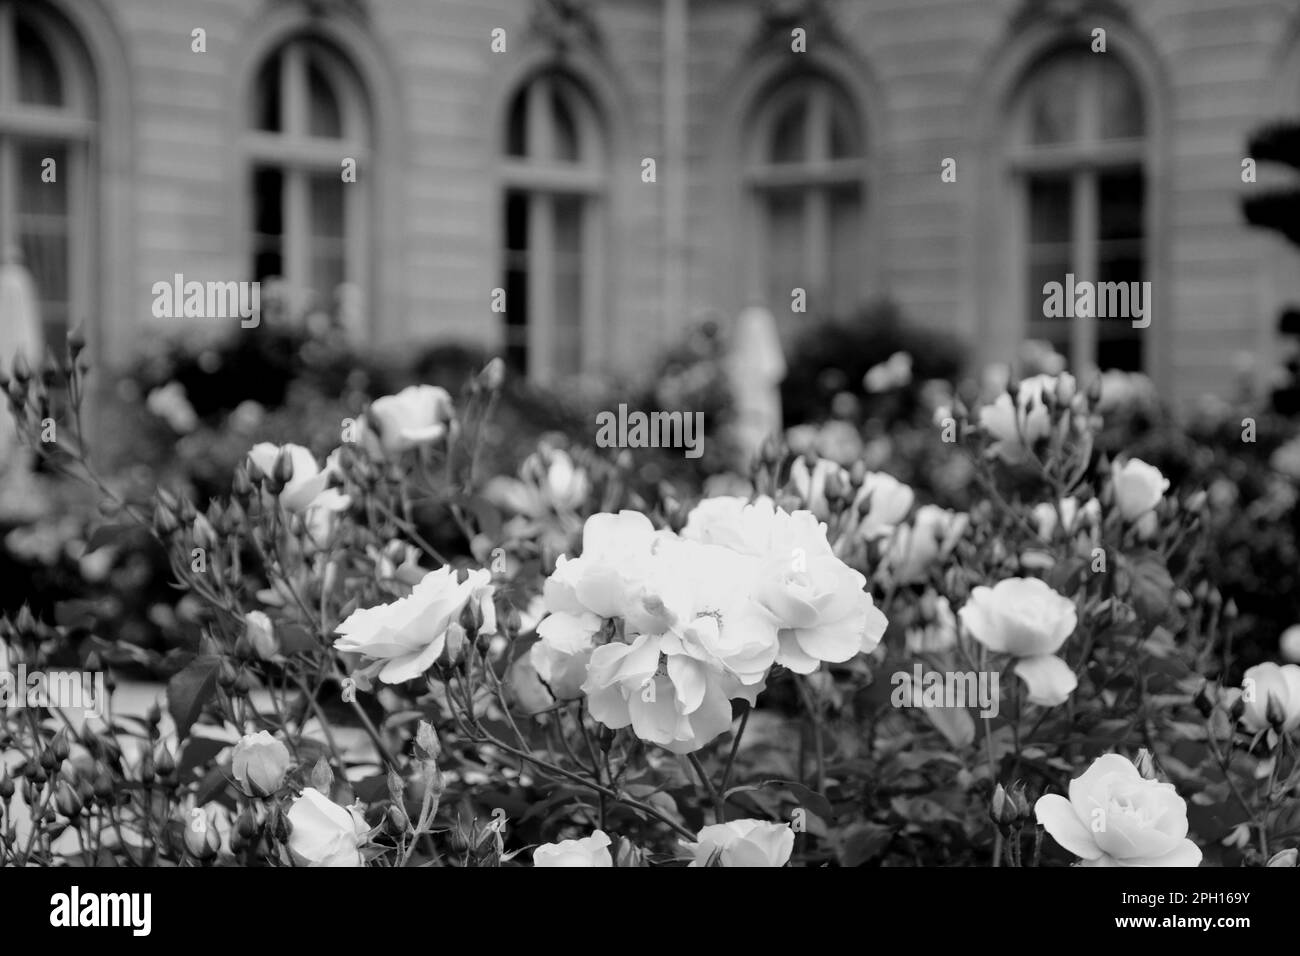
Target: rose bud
[260,635]
[201,838]
[260,763]
[67,801]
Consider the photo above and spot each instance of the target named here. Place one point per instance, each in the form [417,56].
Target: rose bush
[393,656]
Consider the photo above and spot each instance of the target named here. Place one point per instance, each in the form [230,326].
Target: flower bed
[401,656]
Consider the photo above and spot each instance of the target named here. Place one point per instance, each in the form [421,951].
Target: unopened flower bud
[283,472]
[259,632]
[493,374]
[67,801]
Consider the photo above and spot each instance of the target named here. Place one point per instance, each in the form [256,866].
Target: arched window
[1078,156]
[805,171]
[554,177]
[47,129]
[308,115]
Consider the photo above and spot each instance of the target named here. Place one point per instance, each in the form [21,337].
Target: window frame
[544,181]
[813,178]
[298,155]
[1081,161]
[74,127]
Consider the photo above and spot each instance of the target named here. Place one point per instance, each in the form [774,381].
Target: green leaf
[806,797]
[862,843]
[191,688]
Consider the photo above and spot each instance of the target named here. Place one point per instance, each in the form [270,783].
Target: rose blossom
[883,501]
[1270,682]
[1016,427]
[418,415]
[930,538]
[401,640]
[307,481]
[592,851]
[1138,487]
[743,843]
[259,763]
[324,834]
[1116,817]
[1027,619]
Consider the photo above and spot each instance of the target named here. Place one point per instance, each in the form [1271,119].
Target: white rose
[930,538]
[324,834]
[548,482]
[1015,427]
[259,763]
[743,843]
[883,501]
[1027,619]
[1139,487]
[616,554]
[937,633]
[308,479]
[1289,643]
[530,694]
[737,523]
[589,851]
[811,484]
[1269,681]
[171,405]
[321,517]
[674,700]
[418,415]
[1076,518]
[819,602]
[1117,817]
[401,640]
[260,634]
[564,646]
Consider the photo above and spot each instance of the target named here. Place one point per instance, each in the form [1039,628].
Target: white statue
[756,367]
[20,333]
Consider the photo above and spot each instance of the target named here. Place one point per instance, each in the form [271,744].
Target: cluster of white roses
[661,631]
[416,416]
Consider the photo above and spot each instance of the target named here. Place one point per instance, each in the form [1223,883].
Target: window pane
[1047,268]
[564,127]
[325,117]
[44,233]
[788,133]
[517,125]
[327,217]
[784,212]
[39,82]
[1121,204]
[846,249]
[1123,353]
[266,97]
[1052,101]
[1121,101]
[268,222]
[1049,209]
[328,249]
[1119,345]
[516,281]
[567,341]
